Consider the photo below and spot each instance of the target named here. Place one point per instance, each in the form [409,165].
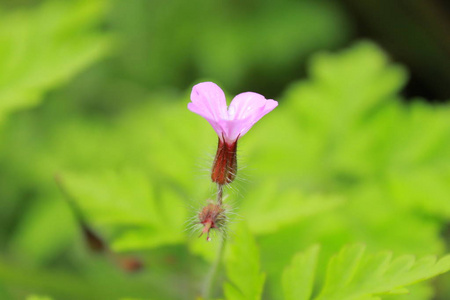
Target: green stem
[211,278]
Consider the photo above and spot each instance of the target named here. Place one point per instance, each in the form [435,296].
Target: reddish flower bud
[212,216]
[225,163]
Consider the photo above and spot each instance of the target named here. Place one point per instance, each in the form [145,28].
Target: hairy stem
[219,193]
[211,278]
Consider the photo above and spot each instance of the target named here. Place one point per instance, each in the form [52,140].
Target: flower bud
[225,163]
[212,216]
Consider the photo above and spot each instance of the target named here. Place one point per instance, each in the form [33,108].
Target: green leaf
[341,110]
[420,291]
[353,137]
[242,264]
[353,274]
[30,67]
[419,177]
[265,214]
[130,205]
[298,277]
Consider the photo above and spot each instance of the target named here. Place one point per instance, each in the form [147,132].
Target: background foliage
[345,186]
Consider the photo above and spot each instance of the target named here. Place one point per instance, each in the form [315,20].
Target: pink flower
[231,123]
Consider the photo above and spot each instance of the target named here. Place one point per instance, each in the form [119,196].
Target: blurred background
[100,161]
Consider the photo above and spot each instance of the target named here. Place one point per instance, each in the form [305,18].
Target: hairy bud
[212,216]
[225,163]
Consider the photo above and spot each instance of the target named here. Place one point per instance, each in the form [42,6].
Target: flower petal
[208,100]
[245,110]
[244,105]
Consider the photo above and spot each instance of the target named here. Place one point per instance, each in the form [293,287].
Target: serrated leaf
[242,264]
[353,274]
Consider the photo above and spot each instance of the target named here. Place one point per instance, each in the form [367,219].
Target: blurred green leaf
[341,115]
[420,176]
[268,207]
[44,47]
[345,131]
[353,274]
[41,48]
[35,239]
[138,213]
[243,267]
[298,277]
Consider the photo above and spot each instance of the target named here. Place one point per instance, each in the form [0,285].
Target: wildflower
[230,123]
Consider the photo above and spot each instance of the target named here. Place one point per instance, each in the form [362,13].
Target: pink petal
[208,100]
[244,105]
[245,110]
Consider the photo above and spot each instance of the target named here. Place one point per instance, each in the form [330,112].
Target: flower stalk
[211,277]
